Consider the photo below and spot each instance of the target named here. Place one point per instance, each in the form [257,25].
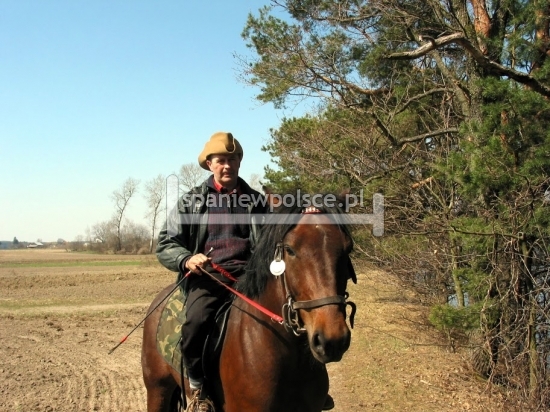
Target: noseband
[291,318]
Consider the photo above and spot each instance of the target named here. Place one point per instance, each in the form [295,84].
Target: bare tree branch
[494,67]
[122,197]
[155,191]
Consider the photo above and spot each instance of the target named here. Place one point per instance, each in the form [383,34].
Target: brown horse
[266,365]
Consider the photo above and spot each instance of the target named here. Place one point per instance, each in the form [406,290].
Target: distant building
[35,245]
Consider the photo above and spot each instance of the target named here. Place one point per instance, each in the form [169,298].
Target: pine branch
[492,66]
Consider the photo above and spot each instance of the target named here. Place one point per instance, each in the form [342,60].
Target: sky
[95,92]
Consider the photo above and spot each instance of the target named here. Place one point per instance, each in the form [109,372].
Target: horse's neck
[279,360]
[272,298]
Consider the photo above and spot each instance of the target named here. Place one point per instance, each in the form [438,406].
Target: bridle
[291,317]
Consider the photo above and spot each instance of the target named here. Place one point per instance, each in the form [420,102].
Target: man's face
[225,169]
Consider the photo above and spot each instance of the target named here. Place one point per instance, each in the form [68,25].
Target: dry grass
[397,362]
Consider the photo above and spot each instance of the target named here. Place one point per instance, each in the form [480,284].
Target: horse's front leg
[249,364]
[159,398]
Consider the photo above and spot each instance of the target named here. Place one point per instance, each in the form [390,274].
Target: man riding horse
[210,217]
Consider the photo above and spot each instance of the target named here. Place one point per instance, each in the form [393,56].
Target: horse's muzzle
[329,349]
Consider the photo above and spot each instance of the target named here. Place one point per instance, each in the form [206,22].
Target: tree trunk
[533,355]
[454,270]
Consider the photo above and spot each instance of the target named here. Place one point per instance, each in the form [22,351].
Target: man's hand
[196,261]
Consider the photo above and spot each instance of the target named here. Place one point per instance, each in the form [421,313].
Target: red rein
[225,273]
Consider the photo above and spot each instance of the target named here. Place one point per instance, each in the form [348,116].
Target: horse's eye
[289,251]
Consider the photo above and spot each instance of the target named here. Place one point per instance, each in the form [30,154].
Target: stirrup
[197,404]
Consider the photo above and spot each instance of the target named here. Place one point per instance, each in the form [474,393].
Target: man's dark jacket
[184,233]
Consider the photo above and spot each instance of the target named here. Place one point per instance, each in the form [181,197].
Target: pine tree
[442,107]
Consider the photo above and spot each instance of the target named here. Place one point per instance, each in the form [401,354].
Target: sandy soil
[61,312]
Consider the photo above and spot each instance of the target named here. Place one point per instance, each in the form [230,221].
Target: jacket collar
[220,189]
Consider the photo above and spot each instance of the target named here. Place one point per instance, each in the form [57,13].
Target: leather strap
[317,303]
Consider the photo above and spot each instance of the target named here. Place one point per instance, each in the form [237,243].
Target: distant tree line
[441,106]
[121,235]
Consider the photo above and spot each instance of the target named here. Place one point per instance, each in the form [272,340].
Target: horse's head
[317,267]
[311,246]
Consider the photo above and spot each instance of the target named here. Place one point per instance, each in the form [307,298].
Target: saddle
[169,334]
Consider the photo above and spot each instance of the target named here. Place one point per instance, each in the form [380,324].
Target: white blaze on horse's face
[316,256]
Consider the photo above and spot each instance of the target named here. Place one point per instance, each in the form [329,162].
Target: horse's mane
[284,218]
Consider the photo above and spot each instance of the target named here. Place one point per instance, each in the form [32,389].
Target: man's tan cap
[220,143]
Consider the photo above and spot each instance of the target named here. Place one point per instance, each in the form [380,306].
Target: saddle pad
[169,330]
[169,333]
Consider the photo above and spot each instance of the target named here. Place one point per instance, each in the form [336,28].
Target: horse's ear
[351,270]
[272,199]
[343,196]
[345,192]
